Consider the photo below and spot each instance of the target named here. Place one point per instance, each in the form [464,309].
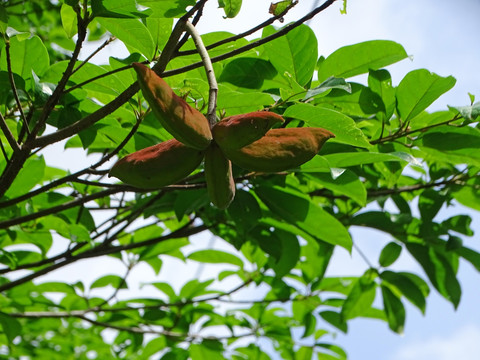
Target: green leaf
[69,20]
[470,113]
[380,82]
[457,145]
[472,256]
[289,255]
[439,270]
[297,208]
[279,7]
[469,195]
[215,257]
[394,310]
[335,319]
[113,280]
[133,33]
[31,174]
[194,288]
[338,352]
[11,326]
[30,54]
[329,84]
[244,210]
[360,101]
[153,346]
[360,58]
[347,184]
[247,72]
[418,90]
[160,30]
[295,53]
[349,159]
[429,204]
[3,19]
[231,7]
[360,298]
[408,287]
[117,9]
[344,128]
[389,254]
[167,8]
[236,102]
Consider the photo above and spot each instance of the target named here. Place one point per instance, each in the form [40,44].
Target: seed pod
[237,131]
[280,149]
[186,124]
[218,175]
[159,165]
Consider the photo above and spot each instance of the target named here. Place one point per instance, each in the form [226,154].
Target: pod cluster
[247,140]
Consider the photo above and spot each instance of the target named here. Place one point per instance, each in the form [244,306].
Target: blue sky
[441,36]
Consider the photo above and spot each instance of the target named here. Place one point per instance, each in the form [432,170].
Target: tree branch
[254,44]
[74,176]
[117,102]
[14,88]
[57,93]
[55,209]
[242,35]
[8,134]
[207,63]
[100,250]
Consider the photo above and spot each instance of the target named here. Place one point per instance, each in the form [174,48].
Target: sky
[441,36]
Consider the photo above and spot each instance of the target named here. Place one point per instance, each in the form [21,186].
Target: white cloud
[463,344]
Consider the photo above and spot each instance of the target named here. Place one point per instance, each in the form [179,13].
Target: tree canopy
[392,166]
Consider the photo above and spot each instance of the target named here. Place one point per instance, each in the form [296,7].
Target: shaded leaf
[389,254]
[247,72]
[11,326]
[407,287]
[394,309]
[298,209]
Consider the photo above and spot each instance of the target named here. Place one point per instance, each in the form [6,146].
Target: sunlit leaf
[360,58]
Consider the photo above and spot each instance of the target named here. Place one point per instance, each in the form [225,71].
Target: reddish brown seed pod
[280,149]
[185,123]
[157,166]
[237,131]
[219,178]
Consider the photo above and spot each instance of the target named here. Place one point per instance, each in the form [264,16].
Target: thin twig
[195,21]
[8,134]
[56,209]
[96,252]
[14,87]
[400,134]
[98,77]
[73,176]
[242,35]
[108,41]
[57,93]
[254,44]
[212,81]
[118,101]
